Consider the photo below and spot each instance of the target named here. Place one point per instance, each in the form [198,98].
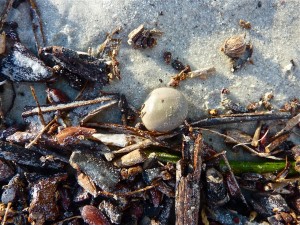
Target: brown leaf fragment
[43,206]
[71,135]
[93,216]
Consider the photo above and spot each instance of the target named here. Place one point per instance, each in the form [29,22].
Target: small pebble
[164,110]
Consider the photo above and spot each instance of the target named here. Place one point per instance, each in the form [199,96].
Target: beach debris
[289,68]
[230,105]
[235,46]
[72,135]
[93,216]
[167,56]
[238,50]
[59,167]
[105,175]
[79,64]
[120,140]
[79,111]
[177,65]
[133,158]
[143,38]
[6,171]
[111,47]
[188,173]
[19,64]
[112,211]
[164,110]
[296,155]
[187,73]
[56,96]
[215,188]
[245,24]
[43,206]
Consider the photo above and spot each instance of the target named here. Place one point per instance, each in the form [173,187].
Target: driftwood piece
[188,172]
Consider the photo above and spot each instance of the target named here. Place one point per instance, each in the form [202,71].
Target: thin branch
[239,118]
[38,106]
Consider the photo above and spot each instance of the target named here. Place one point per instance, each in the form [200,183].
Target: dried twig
[37,23]
[239,118]
[38,106]
[141,145]
[70,105]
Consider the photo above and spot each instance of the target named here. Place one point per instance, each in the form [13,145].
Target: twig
[33,142]
[106,193]
[38,106]
[71,105]
[6,212]
[263,155]
[141,145]
[239,118]
[36,22]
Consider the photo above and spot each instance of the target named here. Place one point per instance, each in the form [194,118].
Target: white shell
[164,110]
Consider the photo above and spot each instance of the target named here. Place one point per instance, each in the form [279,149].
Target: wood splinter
[187,200]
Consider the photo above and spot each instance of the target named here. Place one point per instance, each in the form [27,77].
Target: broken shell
[164,110]
[235,46]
